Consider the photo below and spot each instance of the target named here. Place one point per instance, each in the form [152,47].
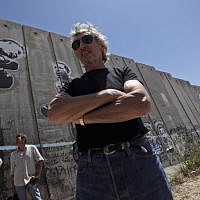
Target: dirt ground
[189,190]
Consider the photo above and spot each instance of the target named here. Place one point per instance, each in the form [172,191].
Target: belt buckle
[108,151]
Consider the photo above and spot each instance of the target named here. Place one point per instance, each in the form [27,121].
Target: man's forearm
[132,106]
[66,109]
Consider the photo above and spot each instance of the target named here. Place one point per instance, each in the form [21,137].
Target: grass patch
[190,166]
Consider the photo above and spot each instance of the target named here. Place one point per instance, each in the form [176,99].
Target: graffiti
[58,158]
[60,170]
[162,142]
[158,137]
[153,139]
[10,52]
[55,159]
[66,190]
[163,134]
[56,174]
[44,110]
[184,139]
[60,173]
[57,154]
[8,124]
[61,179]
[63,77]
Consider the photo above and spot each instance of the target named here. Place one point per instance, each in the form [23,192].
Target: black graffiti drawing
[166,140]
[56,174]
[63,77]
[153,139]
[10,52]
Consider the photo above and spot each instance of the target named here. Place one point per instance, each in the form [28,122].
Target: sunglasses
[86,39]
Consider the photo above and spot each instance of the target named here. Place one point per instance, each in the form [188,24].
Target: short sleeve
[37,155]
[129,74]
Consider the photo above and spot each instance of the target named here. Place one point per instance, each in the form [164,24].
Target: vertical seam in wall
[196,110]
[33,104]
[56,62]
[160,116]
[152,97]
[181,103]
[31,90]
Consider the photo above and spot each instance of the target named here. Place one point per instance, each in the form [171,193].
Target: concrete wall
[34,64]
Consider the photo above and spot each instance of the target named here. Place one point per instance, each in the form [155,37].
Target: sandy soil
[189,190]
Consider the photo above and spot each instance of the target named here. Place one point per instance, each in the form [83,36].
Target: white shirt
[23,164]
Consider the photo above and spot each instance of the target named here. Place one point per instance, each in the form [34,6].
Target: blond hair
[89,28]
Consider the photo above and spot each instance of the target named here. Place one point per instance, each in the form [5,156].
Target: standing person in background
[26,167]
[115,158]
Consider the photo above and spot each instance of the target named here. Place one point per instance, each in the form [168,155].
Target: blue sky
[161,33]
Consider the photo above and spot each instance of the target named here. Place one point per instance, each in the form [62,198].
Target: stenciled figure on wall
[10,52]
[166,140]
[63,77]
[153,139]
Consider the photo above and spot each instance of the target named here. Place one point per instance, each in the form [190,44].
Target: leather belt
[113,148]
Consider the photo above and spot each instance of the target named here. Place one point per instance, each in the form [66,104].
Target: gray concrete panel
[161,96]
[185,135]
[16,106]
[122,61]
[185,122]
[41,62]
[44,67]
[154,111]
[191,99]
[15,102]
[195,90]
[178,90]
[158,135]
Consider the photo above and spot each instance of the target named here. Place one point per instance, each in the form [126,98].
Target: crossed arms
[106,106]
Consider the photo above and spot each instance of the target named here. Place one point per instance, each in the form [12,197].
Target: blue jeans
[129,174]
[33,190]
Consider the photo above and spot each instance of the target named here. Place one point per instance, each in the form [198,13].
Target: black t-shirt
[101,134]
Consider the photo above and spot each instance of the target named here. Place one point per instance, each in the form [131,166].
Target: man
[26,167]
[106,103]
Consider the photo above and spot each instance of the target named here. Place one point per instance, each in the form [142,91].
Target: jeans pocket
[143,152]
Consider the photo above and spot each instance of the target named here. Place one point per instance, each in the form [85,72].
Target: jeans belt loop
[127,146]
[89,157]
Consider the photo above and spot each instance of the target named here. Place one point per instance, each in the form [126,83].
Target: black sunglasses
[86,39]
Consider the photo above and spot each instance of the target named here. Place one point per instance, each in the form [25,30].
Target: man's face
[20,142]
[88,53]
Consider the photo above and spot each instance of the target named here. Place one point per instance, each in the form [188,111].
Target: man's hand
[58,98]
[113,93]
[67,109]
[34,179]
